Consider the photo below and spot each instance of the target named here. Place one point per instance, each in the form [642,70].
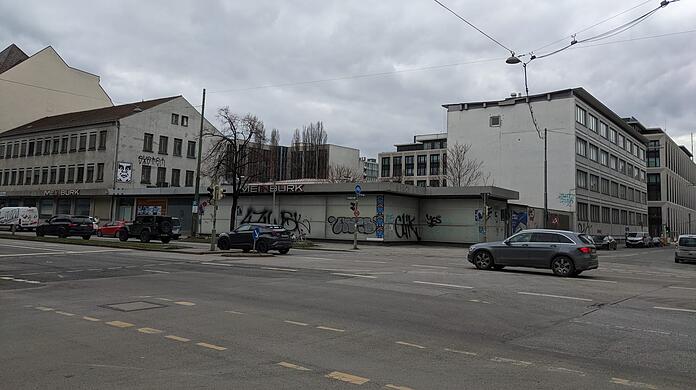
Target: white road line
[218,264]
[410,345]
[566,370]
[441,284]
[428,266]
[590,280]
[331,329]
[155,271]
[112,268]
[511,361]
[94,269]
[354,275]
[674,309]
[279,269]
[630,383]
[461,352]
[370,261]
[683,288]
[31,254]
[31,247]
[95,251]
[295,323]
[75,270]
[234,312]
[554,296]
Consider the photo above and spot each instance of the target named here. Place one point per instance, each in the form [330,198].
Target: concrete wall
[21,104]
[344,156]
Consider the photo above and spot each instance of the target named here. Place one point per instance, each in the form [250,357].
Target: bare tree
[462,171]
[296,137]
[342,174]
[275,137]
[314,137]
[260,137]
[233,155]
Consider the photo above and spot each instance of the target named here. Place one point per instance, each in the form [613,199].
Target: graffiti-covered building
[388,212]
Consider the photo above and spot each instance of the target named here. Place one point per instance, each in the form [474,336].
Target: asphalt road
[382,317]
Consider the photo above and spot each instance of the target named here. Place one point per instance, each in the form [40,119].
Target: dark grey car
[565,253]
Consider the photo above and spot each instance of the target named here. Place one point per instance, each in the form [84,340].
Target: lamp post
[196,197]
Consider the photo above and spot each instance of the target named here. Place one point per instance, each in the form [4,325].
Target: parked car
[565,253]
[66,225]
[176,228]
[603,241]
[686,249]
[111,229]
[638,239]
[147,227]
[271,237]
[657,242]
[20,217]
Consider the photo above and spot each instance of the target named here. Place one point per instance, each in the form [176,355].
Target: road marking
[429,266]
[149,330]
[511,361]
[683,288]
[295,323]
[185,303]
[479,301]
[653,331]
[342,376]
[370,261]
[143,296]
[94,251]
[279,269]
[165,299]
[94,269]
[132,266]
[554,296]
[461,352]
[674,309]
[75,270]
[155,271]
[30,254]
[293,366]
[91,319]
[64,313]
[410,345]
[331,329]
[354,275]
[177,338]
[24,280]
[590,280]
[234,312]
[150,265]
[397,387]
[211,346]
[626,382]
[441,284]
[220,264]
[114,268]
[120,324]
[566,370]
[31,247]
[32,273]
[44,308]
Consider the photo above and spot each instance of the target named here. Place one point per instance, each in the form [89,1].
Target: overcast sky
[149,49]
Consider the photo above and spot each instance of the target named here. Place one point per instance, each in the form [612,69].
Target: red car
[111,229]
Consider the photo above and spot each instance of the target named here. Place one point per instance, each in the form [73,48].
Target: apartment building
[596,161]
[421,163]
[370,171]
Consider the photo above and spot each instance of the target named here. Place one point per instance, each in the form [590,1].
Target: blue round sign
[358,189]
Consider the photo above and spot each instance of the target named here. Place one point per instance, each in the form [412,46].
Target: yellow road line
[91,319]
[295,323]
[211,346]
[626,382]
[293,366]
[461,352]
[64,313]
[398,387]
[43,308]
[120,324]
[410,345]
[177,338]
[331,329]
[342,376]
[185,303]
[149,330]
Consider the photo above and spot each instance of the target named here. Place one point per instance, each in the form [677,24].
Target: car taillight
[585,249]
[72,225]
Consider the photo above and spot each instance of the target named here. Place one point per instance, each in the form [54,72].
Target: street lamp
[513,59]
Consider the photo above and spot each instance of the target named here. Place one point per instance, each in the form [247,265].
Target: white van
[20,217]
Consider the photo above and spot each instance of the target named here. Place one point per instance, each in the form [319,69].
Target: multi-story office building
[370,169]
[112,163]
[671,176]
[596,161]
[420,163]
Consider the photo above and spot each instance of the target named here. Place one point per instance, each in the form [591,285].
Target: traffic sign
[256,233]
[356,213]
[358,189]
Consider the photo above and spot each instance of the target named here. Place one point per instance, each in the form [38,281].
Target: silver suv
[565,253]
[686,248]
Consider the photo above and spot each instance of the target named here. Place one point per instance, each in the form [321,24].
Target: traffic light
[211,192]
[353,206]
[219,192]
[364,172]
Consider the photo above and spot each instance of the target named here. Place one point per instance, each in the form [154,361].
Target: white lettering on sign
[72,192]
[257,188]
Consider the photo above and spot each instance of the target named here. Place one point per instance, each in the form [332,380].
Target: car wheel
[224,244]
[165,239]
[99,233]
[284,251]
[122,235]
[261,247]
[563,266]
[86,236]
[144,236]
[483,260]
[63,233]
[676,260]
[39,232]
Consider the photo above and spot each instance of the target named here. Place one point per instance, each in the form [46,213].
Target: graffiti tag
[290,220]
[405,226]
[566,199]
[150,160]
[433,220]
[346,225]
[584,227]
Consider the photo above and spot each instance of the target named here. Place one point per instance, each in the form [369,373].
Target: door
[542,248]
[514,250]
[241,237]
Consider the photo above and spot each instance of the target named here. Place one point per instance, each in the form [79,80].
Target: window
[582,211]
[594,151]
[145,174]
[176,173]
[163,144]
[2,151]
[100,172]
[20,177]
[434,183]
[73,143]
[178,142]
[61,174]
[592,122]
[102,140]
[191,149]
[629,170]
[622,166]
[653,155]
[23,149]
[434,165]
[175,119]
[92,141]
[421,183]
[594,213]
[604,186]
[641,154]
[612,135]
[147,142]
[46,208]
[89,177]
[631,218]
[189,179]
[422,163]
[580,115]
[614,189]
[30,151]
[80,173]
[630,194]
[654,187]
[161,176]
[184,120]
[54,175]
[396,170]
[604,158]
[581,179]
[56,145]
[39,148]
[494,121]
[409,165]
[642,176]
[581,147]
[6,178]
[594,183]
[606,215]
[622,191]
[37,176]
[385,166]
[71,174]
[83,142]
[622,141]
[82,206]
[15,150]
[603,130]
[13,178]
[612,162]
[629,146]
[624,217]
[27,178]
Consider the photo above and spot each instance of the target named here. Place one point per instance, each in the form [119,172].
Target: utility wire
[529,104]
[476,28]
[50,89]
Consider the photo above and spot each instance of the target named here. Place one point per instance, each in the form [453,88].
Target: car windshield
[632,235]
[585,238]
[689,242]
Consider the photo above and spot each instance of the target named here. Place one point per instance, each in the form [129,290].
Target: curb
[96,243]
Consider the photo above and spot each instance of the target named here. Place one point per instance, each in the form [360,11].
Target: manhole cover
[133,306]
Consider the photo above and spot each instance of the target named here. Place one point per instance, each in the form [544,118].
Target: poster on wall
[151,207]
[518,221]
[125,172]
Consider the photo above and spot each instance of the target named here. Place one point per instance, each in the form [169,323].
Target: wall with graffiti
[457,220]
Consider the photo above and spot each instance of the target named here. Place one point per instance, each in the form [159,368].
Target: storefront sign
[73,192]
[150,160]
[274,188]
[150,207]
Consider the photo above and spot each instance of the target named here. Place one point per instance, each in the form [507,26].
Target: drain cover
[134,306]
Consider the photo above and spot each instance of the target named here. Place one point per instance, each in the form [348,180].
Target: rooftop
[11,56]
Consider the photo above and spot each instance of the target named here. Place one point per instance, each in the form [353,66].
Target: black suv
[66,225]
[271,237]
[147,227]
